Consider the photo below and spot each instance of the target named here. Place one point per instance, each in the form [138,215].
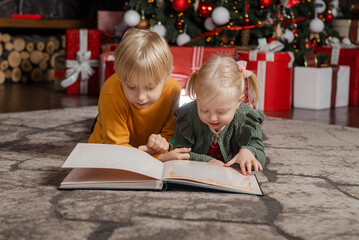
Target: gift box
[185,61]
[82,53]
[60,69]
[274,74]
[107,60]
[347,57]
[188,59]
[321,88]
[111,25]
[347,28]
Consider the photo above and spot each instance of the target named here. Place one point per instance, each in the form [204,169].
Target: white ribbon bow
[270,49]
[274,46]
[335,43]
[82,65]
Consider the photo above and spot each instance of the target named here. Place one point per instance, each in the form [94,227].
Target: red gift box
[111,25]
[188,59]
[107,60]
[185,61]
[347,57]
[82,52]
[274,74]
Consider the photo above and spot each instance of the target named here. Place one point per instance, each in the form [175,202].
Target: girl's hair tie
[242,68]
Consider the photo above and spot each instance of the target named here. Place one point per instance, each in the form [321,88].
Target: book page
[102,178]
[93,155]
[211,175]
[103,175]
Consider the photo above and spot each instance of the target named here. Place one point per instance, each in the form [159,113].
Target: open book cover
[106,166]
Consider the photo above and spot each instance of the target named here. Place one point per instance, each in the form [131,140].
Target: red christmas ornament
[246,21]
[328,17]
[308,44]
[289,3]
[180,5]
[205,9]
[294,31]
[179,25]
[266,3]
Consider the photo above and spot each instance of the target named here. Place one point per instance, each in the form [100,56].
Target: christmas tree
[298,24]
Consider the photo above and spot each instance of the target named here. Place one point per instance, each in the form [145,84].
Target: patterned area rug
[310,185]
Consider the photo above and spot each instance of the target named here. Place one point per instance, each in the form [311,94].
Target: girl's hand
[246,160]
[156,144]
[216,162]
[176,154]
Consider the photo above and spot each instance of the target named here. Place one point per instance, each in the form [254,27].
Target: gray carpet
[311,187]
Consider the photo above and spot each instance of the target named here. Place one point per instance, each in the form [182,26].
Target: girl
[218,126]
[137,103]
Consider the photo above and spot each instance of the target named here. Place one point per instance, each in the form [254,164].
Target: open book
[106,166]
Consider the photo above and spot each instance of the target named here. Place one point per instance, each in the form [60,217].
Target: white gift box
[342,26]
[313,87]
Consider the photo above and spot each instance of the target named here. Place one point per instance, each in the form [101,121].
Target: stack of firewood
[29,58]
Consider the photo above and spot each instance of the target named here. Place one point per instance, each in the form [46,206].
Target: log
[24,55]
[19,44]
[1,49]
[56,42]
[50,74]
[50,47]
[6,37]
[36,56]
[14,59]
[26,65]
[46,57]
[16,75]
[43,65]
[2,77]
[30,46]
[54,56]
[37,75]
[40,45]
[63,41]
[4,65]
[9,46]
[8,73]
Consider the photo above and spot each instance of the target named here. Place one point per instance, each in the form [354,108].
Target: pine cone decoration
[245,37]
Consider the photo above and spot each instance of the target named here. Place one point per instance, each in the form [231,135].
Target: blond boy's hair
[221,76]
[145,55]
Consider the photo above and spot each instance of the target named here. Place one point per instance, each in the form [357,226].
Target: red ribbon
[334,85]
[237,28]
[353,31]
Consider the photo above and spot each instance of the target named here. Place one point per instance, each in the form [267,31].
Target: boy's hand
[246,160]
[176,154]
[156,144]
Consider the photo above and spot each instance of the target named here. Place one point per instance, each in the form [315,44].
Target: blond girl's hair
[221,76]
[143,54]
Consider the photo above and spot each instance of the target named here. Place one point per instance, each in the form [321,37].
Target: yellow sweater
[119,122]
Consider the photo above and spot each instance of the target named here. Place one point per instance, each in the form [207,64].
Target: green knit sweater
[243,132]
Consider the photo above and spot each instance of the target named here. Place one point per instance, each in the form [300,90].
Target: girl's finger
[249,167]
[256,166]
[230,163]
[243,168]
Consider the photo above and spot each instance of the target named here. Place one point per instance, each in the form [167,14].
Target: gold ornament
[143,24]
[313,35]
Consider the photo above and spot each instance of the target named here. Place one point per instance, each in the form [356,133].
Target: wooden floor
[36,96]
